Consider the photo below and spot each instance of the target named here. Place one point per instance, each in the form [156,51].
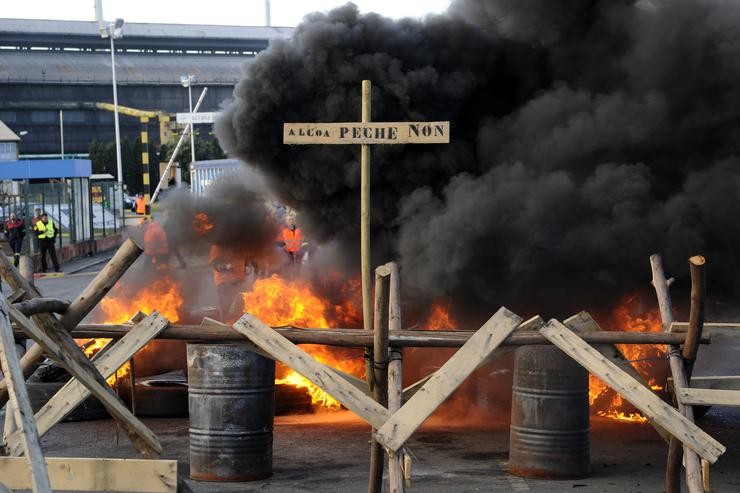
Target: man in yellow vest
[46,232]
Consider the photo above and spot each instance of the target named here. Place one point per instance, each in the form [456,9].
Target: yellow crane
[165,135]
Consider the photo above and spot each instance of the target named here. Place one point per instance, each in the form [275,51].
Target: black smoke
[586,135]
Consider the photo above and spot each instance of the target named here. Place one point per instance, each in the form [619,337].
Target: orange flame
[202,223]
[439,318]
[163,295]
[122,303]
[645,358]
[278,302]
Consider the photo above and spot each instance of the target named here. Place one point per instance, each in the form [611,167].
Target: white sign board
[207,117]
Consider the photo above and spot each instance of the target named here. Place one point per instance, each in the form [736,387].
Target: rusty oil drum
[231,398]
[549,435]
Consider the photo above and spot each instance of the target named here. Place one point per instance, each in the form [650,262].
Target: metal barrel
[549,434]
[231,398]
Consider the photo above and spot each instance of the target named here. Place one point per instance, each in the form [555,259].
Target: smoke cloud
[586,135]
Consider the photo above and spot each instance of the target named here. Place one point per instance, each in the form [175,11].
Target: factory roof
[144,30]
[94,68]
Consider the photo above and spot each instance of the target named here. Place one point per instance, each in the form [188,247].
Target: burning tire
[291,400]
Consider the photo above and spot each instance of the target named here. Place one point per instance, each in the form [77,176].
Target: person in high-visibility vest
[292,238]
[140,204]
[229,273]
[156,247]
[46,232]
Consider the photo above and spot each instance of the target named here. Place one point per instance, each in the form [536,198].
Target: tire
[90,409]
[158,401]
[291,400]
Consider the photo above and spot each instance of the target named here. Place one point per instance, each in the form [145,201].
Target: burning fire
[278,302]
[202,223]
[439,318]
[648,360]
[162,294]
[121,304]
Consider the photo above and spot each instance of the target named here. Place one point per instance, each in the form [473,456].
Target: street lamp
[188,81]
[114,30]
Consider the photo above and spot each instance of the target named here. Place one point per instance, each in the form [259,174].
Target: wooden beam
[730,329]
[708,397]
[727,382]
[74,392]
[394,433]
[81,474]
[71,358]
[287,353]
[343,337]
[643,399]
[42,305]
[583,322]
[21,405]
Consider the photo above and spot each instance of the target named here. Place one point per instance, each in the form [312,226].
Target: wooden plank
[289,354]
[643,399]
[708,397]
[367,133]
[727,382]
[402,425]
[82,474]
[74,392]
[21,405]
[142,437]
[731,329]
[584,322]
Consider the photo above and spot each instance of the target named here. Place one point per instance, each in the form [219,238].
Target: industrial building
[50,66]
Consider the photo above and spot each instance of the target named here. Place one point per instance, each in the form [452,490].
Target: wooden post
[691,459]
[78,309]
[395,376]
[380,369]
[365,228]
[21,405]
[696,315]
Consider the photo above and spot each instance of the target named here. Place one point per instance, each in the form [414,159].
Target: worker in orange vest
[140,204]
[155,243]
[292,239]
[229,273]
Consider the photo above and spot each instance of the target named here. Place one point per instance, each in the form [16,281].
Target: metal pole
[61,131]
[119,165]
[192,134]
[163,177]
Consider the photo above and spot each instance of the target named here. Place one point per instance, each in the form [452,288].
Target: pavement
[329,451]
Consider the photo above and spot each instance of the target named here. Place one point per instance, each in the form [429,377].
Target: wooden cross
[366,133]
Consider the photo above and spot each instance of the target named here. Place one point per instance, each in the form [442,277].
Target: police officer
[46,232]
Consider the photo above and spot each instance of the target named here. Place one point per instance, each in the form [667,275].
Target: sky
[224,12]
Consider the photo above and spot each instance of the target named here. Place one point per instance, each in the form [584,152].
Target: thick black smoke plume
[586,135]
